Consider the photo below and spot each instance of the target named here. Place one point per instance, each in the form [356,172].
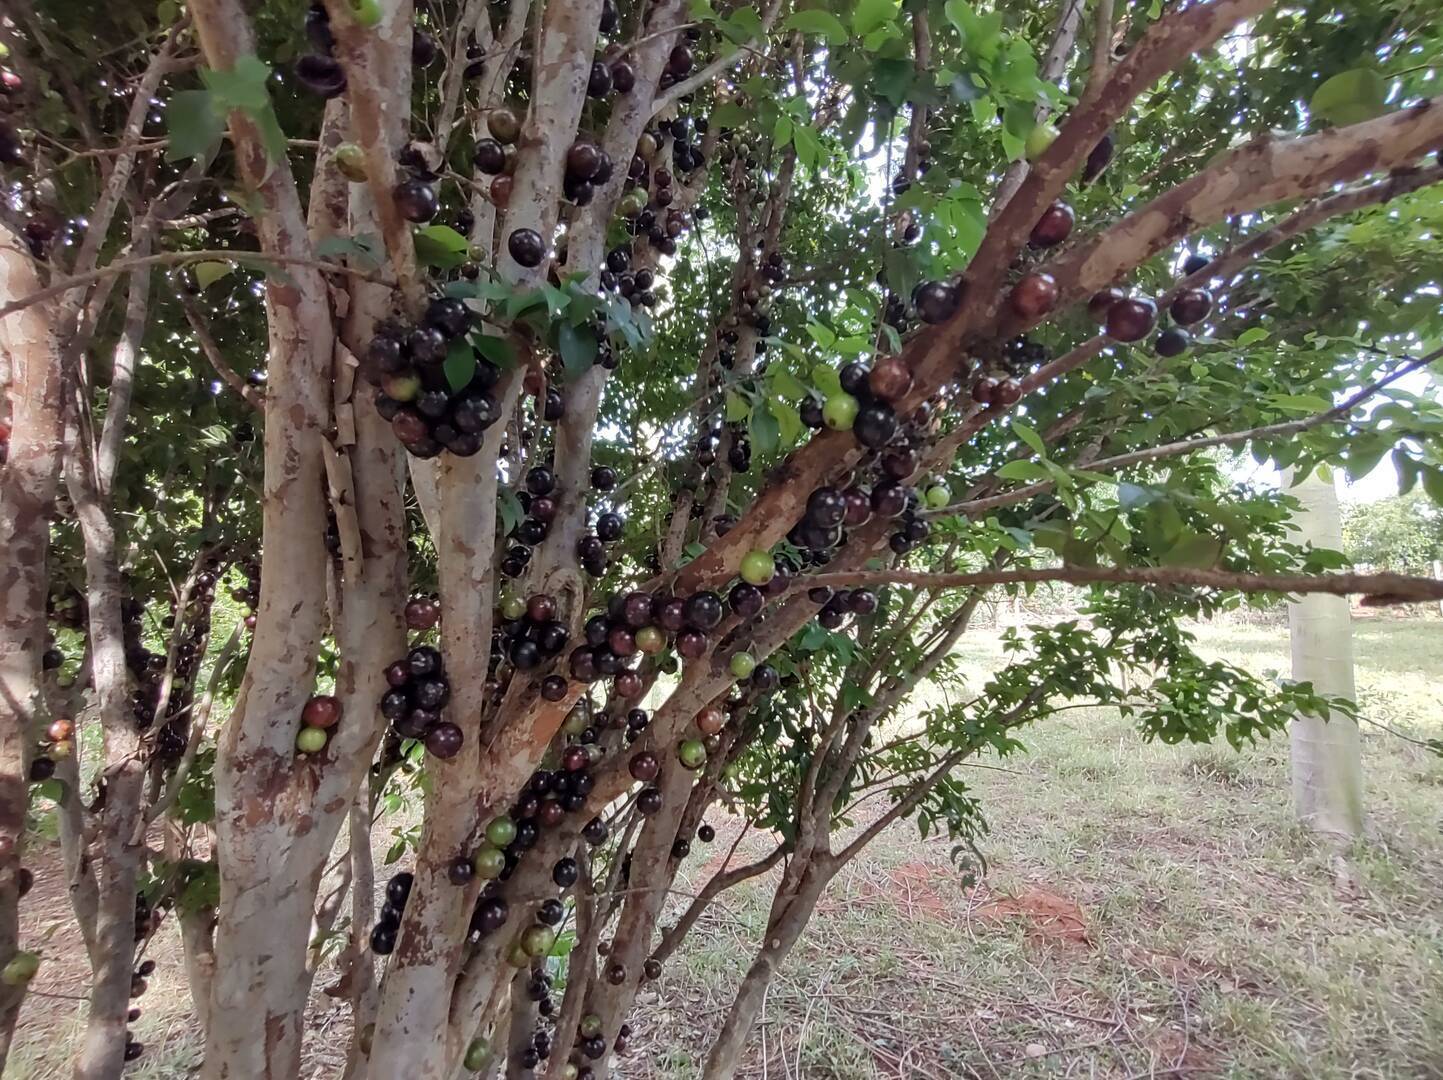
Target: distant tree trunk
[1326,756]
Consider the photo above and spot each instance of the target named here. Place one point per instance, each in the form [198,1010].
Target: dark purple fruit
[936,301]
[1034,295]
[875,426]
[526,247]
[598,84]
[1053,227]
[321,75]
[416,200]
[1131,319]
[1191,305]
[1172,342]
[444,740]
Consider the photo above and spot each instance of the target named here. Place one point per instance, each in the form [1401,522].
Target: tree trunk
[27,489]
[786,925]
[1326,756]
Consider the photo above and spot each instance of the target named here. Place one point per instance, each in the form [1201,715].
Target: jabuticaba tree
[578,413]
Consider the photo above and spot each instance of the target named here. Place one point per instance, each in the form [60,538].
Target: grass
[1147,911]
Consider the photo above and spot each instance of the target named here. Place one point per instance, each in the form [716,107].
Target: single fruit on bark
[478,1055]
[1098,159]
[875,426]
[583,160]
[526,247]
[1102,302]
[936,301]
[742,664]
[503,124]
[1053,227]
[598,83]
[422,613]
[500,190]
[890,379]
[416,200]
[351,162]
[536,942]
[311,740]
[1191,306]
[321,711]
[1131,319]
[691,753]
[1172,342]
[488,862]
[711,720]
[623,77]
[839,412]
[644,766]
[1193,264]
[1035,295]
[444,740]
[321,75]
[20,969]
[648,802]
[757,568]
[1038,140]
[938,496]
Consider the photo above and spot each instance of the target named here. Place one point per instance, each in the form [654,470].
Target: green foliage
[1402,533]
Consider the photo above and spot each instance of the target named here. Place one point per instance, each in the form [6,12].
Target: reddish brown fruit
[1101,303]
[890,379]
[322,711]
[1191,306]
[1131,319]
[1035,295]
[1053,227]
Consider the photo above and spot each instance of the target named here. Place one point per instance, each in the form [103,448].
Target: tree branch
[1377,589]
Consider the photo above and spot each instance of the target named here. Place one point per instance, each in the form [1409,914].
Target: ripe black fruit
[1172,342]
[1191,306]
[416,200]
[935,301]
[1131,319]
[489,156]
[526,247]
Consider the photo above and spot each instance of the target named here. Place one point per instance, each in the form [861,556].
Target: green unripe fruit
[488,862]
[691,753]
[839,412]
[367,12]
[512,606]
[669,665]
[757,567]
[536,942]
[351,162]
[576,721]
[1038,140]
[632,203]
[938,496]
[569,1072]
[501,831]
[590,1026]
[650,640]
[742,664]
[478,1054]
[401,386]
[311,740]
[20,970]
[517,957]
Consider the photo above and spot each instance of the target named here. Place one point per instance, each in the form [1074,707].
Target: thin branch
[974,507]
[1377,589]
[718,884]
[250,394]
[710,71]
[182,258]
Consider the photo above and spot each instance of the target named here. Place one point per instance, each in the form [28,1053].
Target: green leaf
[578,349]
[194,124]
[440,246]
[825,379]
[508,508]
[766,432]
[893,80]
[789,421]
[814,21]
[1030,437]
[1194,550]
[1022,470]
[51,788]
[459,365]
[364,251]
[1432,477]
[730,115]
[1132,496]
[869,15]
[1299,403]
[1251,336]
[208,273]
[737,407]
[242,87]
[1350,97]
[822,335]
[786,386]
[496,349]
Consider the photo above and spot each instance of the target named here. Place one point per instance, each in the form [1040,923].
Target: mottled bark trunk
[28,481]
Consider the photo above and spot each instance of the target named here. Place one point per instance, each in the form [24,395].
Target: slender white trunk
[1326,756]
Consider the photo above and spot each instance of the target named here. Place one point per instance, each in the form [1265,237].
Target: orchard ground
[1147,911]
